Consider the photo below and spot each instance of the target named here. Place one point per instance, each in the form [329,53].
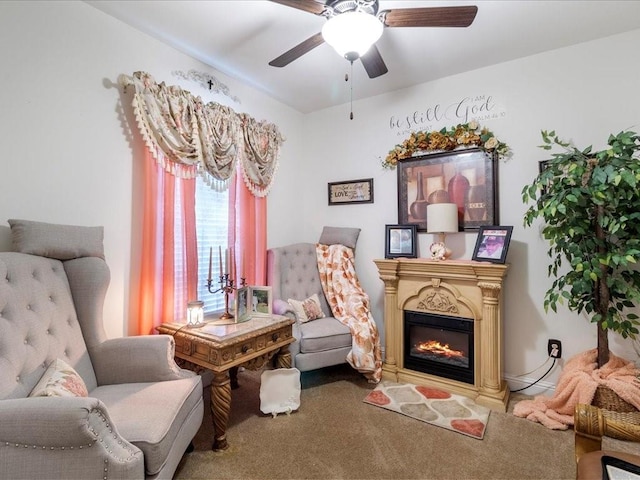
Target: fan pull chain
[351,92]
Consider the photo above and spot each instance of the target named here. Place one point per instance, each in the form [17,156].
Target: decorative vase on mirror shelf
[436,192]
[475,204]
[458,193]
[418,209]
[438,196]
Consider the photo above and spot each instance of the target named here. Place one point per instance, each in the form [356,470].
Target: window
[212,219]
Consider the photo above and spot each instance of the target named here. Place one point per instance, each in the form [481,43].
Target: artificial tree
[590,204]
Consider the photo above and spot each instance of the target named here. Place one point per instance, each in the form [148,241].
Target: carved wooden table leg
[251,344]
[220,407]
[283,358]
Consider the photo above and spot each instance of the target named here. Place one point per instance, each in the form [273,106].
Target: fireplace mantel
[458,288]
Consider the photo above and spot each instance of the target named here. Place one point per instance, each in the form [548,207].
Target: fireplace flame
[435,347]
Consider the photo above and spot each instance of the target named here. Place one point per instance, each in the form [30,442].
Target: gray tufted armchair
[292,272]
[142,411]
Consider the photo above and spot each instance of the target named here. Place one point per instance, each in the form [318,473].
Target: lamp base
[439,251]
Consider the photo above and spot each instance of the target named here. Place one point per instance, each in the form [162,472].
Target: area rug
[432,405]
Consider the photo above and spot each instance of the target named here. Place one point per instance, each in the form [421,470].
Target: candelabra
[227,287]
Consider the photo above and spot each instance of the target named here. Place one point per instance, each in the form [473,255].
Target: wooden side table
[222,347]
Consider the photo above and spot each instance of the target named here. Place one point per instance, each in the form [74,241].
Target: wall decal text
[436,116]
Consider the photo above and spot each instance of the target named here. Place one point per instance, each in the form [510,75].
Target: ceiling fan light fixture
[351,34]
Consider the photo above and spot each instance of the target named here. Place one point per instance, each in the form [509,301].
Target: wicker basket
[607,399]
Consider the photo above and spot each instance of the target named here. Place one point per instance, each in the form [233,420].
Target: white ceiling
[239,38]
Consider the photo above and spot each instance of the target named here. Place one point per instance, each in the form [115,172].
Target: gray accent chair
[142,411]
[292,272]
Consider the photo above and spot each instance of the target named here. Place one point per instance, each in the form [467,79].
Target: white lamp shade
[442,218]
[195,312]
[352,32]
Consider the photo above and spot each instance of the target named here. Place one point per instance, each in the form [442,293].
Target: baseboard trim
[540,388]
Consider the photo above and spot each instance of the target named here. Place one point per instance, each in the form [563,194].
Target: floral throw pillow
[60,380]
[307,309]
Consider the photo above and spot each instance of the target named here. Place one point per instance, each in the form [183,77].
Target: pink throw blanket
[577,384]
[350,305]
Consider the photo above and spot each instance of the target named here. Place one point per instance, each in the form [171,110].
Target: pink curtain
[162,289]
[169,275]
[248,231]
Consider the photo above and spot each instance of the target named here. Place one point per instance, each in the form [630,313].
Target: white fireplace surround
[459,288]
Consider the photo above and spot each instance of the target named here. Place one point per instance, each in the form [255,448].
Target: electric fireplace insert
[439,345]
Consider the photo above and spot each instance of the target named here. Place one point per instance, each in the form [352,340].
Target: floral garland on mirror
[464,135]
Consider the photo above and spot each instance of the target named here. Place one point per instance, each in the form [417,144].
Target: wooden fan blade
[296,52]
[310,6]
[373,63]
[431,17]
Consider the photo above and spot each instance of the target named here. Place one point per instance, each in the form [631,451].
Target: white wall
[69,155]
[583,92]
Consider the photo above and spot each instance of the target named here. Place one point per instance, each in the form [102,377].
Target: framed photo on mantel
[401,241]
[492,244]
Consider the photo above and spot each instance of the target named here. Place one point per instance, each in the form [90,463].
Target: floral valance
[189,137]
[464,135]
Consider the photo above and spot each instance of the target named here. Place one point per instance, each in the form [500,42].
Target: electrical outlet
[554,348]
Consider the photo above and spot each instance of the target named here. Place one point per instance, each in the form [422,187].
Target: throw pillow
[307,309]
[280,307]
[340,236]
[60,380]
[62,242]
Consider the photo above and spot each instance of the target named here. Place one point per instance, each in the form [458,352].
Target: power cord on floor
[544,375]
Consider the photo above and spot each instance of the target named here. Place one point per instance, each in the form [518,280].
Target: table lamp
[442,218]
[195,313]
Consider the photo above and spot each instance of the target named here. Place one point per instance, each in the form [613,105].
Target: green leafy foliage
[590,204]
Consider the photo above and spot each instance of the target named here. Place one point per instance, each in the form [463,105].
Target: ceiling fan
[367,16]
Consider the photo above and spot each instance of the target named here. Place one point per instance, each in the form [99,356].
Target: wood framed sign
[352,191]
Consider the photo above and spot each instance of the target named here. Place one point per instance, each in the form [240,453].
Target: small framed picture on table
[260,301]
[492,244]
[241,305]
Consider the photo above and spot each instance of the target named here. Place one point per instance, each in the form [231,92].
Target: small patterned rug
[432,405]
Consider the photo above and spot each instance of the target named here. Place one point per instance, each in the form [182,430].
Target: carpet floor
[335,435]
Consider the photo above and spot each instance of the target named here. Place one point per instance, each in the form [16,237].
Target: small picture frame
[351,191]
[492,244]
[260,301]
[241,302]
[401,241]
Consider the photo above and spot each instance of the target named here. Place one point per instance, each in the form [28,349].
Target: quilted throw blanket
[350,305]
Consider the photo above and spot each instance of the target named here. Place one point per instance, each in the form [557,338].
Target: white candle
[233,265]
[220,259]
[210,260]
[226,261]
